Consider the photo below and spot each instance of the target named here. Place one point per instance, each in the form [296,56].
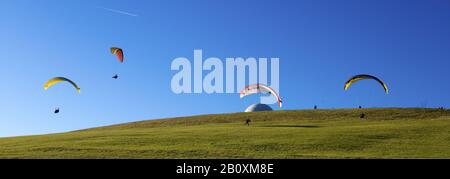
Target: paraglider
[57,80]
[56,111]
[365,77]
[260,88]
[118,52]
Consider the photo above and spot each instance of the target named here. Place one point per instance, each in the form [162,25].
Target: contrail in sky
[118,11]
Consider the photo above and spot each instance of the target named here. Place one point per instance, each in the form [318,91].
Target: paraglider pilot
[248,121]
[362,116]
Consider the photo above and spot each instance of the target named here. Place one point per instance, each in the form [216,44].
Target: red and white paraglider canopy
[260,88]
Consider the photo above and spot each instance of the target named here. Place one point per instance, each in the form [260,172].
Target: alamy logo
[239,73]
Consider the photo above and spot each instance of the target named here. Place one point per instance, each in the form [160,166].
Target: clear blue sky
[320,45]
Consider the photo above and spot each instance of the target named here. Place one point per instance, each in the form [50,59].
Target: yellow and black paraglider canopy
[357,78]
[57,80]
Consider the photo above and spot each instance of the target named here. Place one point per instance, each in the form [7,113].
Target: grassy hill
[386,133]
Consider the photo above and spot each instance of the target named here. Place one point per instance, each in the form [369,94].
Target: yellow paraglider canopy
[365,77]
[56,80]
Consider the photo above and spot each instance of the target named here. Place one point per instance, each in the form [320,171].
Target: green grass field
[386,133]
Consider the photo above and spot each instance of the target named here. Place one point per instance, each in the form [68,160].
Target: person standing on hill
[248,121]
